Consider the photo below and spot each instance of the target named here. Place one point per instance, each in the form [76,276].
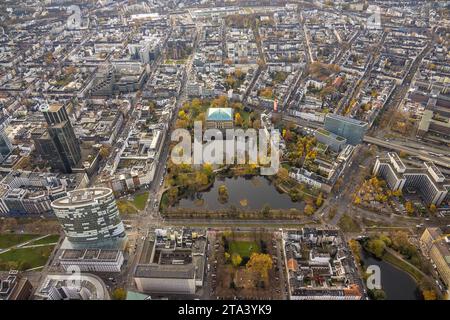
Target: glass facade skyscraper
[351,129]
[58,145]
[89,216]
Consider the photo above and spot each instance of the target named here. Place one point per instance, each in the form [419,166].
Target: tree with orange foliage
[260,263]
[429,295]
[238,119]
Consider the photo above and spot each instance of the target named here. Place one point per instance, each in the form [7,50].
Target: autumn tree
[267,93]
[223,193]
[220,102]
[200,179]
[283,173]
[208,169]
[180,123]
[428,289]
[397,193]
[377,247]
[403,154]
[238,119]
[433,208]
[377,294]
[308,210]
[319,200]
[265,210]
[196,103]
[237,106]
[356,250]
[288,135]
[172,195]
[230,81]
[182,115]
[260,263]
[105,151]
[119,294]
[236,260]
[200,117]
[409,207]
[429,295]
[239,73]
[257,124]
[401,243]
[387,241]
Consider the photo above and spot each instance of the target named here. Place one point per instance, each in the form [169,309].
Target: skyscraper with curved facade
[90,216]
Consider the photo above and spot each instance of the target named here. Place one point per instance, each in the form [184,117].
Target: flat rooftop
[81,197]
[165,271]
[424,170]
[51,108]
[330,134]
[179,256]
[89,254]
[346,119]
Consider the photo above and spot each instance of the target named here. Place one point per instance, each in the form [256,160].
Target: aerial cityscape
[224,150]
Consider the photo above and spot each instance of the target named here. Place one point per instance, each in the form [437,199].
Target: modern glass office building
[351,129]
[5,144]
[89,216]
[58,145]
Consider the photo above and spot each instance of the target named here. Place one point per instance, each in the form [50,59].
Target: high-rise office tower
[58,145]
[5,145]
[89,216]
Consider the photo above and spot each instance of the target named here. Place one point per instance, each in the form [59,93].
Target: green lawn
[141,200]
[126,207]
[244,248]
[132,207]
[50,239]
[25,258]
[9,240]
